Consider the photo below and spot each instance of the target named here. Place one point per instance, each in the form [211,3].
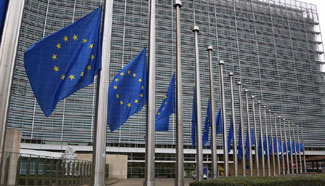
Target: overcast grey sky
[321,11]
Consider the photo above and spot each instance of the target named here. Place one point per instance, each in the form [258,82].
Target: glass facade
[274,48]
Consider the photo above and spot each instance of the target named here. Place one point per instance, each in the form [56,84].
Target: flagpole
[282,152]
[242,127]
[179,181]
[291,153]
[267,144]
[272,143]
[150,129]
[8,51]
[299,142]
[261,133]
[225,146]
[212,111]
[277,145]
[233,123]
[286,144]
[302,138]
[249,135]
[294,139]
[99,152]
[199,160]
[256,139]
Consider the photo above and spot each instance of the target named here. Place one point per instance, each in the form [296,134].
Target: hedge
[292,180]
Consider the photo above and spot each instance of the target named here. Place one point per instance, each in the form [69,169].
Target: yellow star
[134,75]
[116,80]
[121,102]
[63,77]
[91,46]
[84,40]
[115,87]
[142,87]
[82,74]
[163,108]
[75,37]
[117,96]
[140,80]
[58,46]
[158,113]
[141,95]
[71,77]
[89,67]
[136,101]
[65,38]
[92,57]
[165,97]
[122,74]
[166,103]
[129,104]
[56,68]
[129,72]
[54,57]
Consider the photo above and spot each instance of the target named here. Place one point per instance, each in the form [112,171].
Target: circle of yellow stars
[59,46]
[135,101]
[163,106]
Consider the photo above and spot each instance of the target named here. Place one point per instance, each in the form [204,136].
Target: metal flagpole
[223,106]
[277,145]
[150,129]
[179,181]
[199,160]
[261,134]
[99,157]
[241,128]
[256,138]
[291,154]
[267,145]
[295,142]
[302,138]
[8,51]
[272,142]
[282,152]
[286,144]
[233,123]
[213,121]
[300,162]
[249,136]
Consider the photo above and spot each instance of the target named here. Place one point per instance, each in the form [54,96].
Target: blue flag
[260,146]
[207,125]
[265,147]
[280,148]
[166,108]
[219,122]
[127,93]
[289,147]
[293,146]
[302,148]
[240,150]
[3,11]
[247,145]
[65,61]
[297,147]
[275,144]
[284,147]
[230,135]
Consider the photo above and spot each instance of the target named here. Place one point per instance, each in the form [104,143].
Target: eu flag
[289,147]
[3,11]
[280,148]
[247,145]
[207,125]
[127,93]
[240,151]
[219,122]
[230,135]
[166,108]
[297,147]
[302,148]
[275,145]
[65,61]
[293,147]
[260,146]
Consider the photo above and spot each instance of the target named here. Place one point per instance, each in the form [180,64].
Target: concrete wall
[118,164]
